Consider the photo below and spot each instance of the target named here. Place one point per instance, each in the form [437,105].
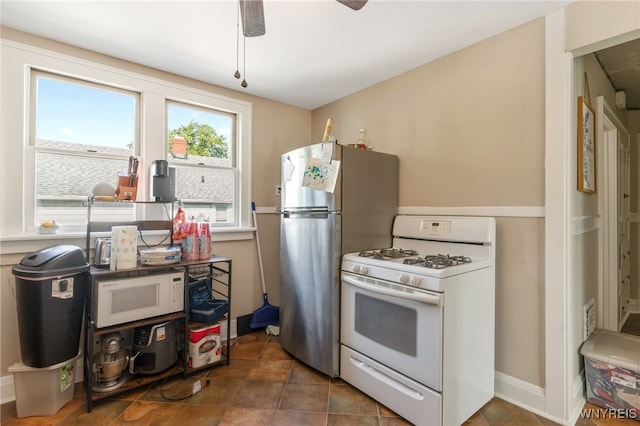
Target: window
[201,146]
[84,134]
[48,174]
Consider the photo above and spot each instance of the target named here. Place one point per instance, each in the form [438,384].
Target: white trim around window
[16,179]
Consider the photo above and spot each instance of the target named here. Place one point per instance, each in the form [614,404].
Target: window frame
[18,155]
[34,149]
[36,72]
[234,150]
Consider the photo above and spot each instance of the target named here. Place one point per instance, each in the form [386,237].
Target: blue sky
[89,115]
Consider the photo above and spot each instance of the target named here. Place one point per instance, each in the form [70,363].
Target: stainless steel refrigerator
[334,200]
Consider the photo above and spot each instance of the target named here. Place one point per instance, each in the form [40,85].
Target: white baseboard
[578,400]
[520,393]
[524,395]
[8,393]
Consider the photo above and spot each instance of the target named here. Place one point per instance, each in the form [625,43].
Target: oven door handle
[389,381]
[426,298]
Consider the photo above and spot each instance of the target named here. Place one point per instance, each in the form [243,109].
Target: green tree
[202,140]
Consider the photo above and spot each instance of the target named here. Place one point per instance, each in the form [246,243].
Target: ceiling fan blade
[354,4]
[252,12]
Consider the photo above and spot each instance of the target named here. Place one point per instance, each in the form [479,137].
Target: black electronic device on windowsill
[163,181]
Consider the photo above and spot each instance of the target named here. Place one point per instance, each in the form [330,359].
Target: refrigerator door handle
[308,214]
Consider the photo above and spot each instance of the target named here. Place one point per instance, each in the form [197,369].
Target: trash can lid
[619,349]
[52,261]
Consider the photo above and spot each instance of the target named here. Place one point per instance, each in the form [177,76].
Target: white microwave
[121,300]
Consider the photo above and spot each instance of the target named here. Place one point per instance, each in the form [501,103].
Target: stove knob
[404,278]
[415,281]
[356,268]
[364,270]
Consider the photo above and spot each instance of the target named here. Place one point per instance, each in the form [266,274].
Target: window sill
[27,243]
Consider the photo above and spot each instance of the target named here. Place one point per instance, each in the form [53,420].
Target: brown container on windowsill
[125,190]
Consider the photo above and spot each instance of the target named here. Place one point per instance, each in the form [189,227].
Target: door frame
[608,126]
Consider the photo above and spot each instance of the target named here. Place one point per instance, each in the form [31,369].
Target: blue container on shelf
[203,306]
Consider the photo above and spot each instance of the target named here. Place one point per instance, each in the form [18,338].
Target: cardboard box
[612,369]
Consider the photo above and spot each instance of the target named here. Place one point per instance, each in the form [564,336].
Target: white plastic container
[612,369]
[43,391]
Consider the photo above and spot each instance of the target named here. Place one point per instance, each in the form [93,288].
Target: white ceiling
[621,63]
[314,52]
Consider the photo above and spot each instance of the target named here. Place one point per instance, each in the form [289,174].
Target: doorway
[615,286]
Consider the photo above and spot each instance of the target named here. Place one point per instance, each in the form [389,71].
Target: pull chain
[237,73]
[244,46]
[244,61]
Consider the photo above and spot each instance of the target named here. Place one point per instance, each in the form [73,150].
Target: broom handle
[255,223]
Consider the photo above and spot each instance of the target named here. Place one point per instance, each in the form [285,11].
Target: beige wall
[594,25]
[276,128]
[454,120]
[469,131]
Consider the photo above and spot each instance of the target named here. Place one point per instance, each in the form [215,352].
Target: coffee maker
[163,181]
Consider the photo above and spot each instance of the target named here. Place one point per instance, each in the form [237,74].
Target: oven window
[386,323]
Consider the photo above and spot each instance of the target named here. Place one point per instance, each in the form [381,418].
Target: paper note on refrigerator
[332,176]
[327,152]
[321,176]
[288,169]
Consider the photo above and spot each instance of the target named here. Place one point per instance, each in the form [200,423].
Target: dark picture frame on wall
[586,147]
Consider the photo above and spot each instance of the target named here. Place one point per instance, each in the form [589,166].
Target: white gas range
[418,321]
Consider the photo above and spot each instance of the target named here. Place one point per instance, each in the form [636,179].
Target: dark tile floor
[632,325]
[263,385]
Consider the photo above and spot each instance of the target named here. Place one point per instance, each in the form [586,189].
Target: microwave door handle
[426,298]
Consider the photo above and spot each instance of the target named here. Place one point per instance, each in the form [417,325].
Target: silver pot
[109,367]
[102,252]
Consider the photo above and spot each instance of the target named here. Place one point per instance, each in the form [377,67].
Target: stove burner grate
[388,253]
[439,261]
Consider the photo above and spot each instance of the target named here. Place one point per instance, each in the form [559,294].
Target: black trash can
[51,285]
